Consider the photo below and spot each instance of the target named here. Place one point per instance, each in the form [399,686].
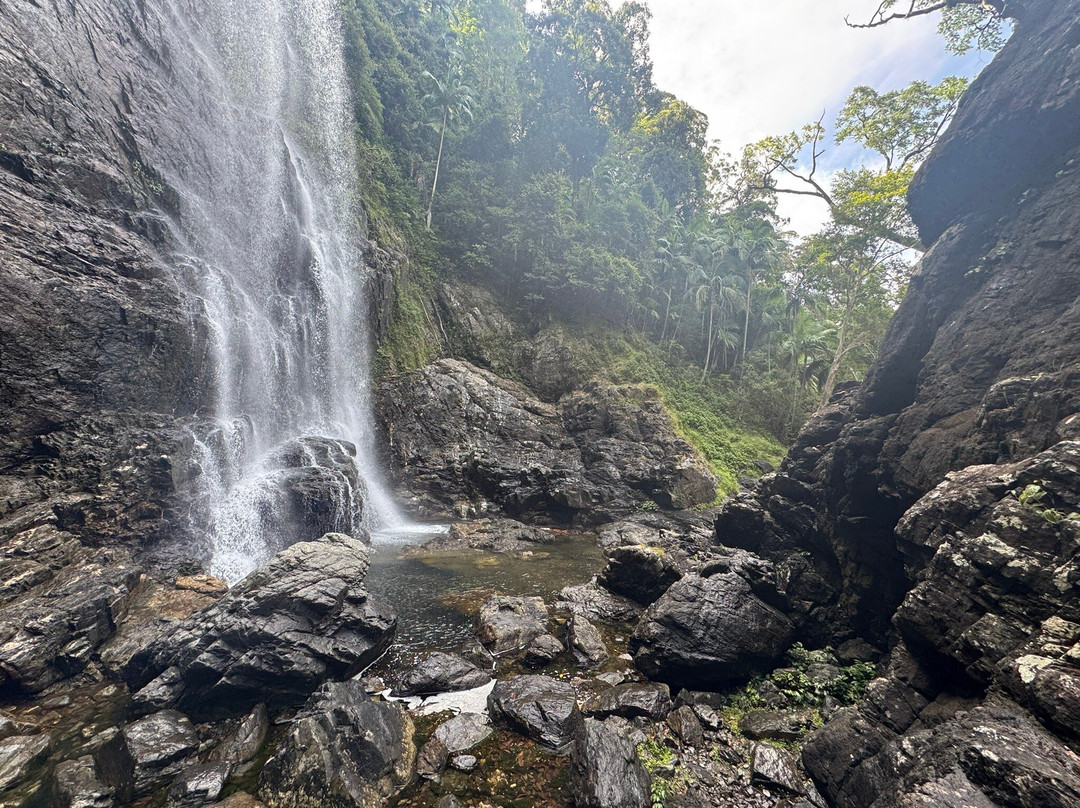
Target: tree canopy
[551,169]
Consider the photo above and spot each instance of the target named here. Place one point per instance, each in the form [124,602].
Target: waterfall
[272,252]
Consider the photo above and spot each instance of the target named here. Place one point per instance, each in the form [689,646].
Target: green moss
[668,777]
[411,342]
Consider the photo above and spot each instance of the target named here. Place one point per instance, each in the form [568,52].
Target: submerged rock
[494,535]
[464,763]
[301,619]
[707,631]
[542,651]
[511,623]
[343,750]
[538,707]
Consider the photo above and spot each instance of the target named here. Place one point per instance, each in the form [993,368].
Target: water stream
[272,239]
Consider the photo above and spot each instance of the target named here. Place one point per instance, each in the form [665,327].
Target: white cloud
[768,66]
[764,67]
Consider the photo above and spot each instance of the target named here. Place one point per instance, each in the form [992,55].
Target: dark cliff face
[982,360]
[909,492]
[100,349]
[110,115]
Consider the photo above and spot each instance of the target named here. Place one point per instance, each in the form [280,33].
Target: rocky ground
[205,695]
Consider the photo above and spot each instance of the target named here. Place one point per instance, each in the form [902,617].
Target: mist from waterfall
[273,236]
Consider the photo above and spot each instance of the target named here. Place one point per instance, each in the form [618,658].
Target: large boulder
[316,490]
[705,632]
[631,700]
[538,707]
[145,755]
[51,630]
[438,672]
[464,437]
[597,603]
[604,768]
[75,784]
[343,750]
[639,572]
[303,618]
[987,756]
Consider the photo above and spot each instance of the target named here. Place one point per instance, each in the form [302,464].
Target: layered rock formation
[936,501]
[469,439]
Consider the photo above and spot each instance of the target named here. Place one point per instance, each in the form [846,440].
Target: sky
[767,67]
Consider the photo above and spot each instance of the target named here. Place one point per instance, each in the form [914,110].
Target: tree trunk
[438,165]
[708,350]
[834,368]
[667,314]
[746,322]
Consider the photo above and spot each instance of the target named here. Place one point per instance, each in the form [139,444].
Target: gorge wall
[936,502]
[186,276]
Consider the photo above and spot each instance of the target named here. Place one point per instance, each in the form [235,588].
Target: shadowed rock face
[113,126]
[933,500]
[97,336]
[343,750]
[465,437]
[980,364]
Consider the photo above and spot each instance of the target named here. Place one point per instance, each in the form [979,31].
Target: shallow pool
[431,591]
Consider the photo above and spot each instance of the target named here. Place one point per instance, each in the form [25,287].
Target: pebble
[464,763]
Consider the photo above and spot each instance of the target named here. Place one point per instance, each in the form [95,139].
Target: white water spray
[274,236]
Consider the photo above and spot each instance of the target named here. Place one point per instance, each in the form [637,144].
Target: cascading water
[273,240]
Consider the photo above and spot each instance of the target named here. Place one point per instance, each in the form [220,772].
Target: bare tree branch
[883,17]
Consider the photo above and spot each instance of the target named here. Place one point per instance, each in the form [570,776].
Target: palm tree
[753,246]
[448,99]
[717,295]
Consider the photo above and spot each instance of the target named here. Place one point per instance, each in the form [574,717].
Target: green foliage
[582,194]
[801,690]
[798,688]
[965,24]
[1032,496]
[668,778]
[708,415]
